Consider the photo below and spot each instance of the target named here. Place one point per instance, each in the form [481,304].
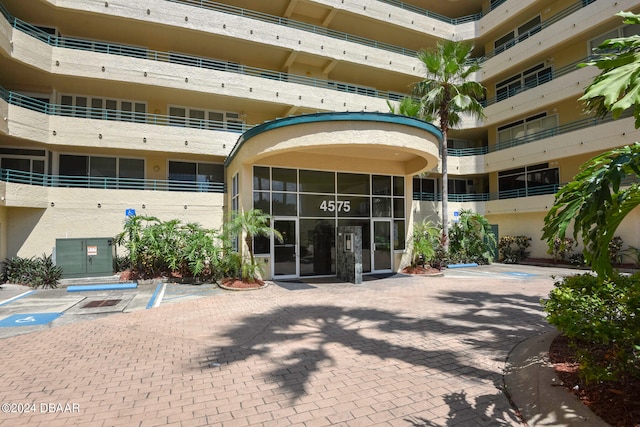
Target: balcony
[522,37]
[537,136]
[485,197]
[193,61]
[108,183]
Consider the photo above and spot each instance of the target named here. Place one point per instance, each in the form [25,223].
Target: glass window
[357,206]
[261,178]
[399,238]
[284,179]
[284,204]
[73,165]
[381,207]
[23,165]
[351,183]
[316,205]
[210,172]
[381,185]
[103,166]
[398,186]
[317,182]
[38,166]
[317,240]
[131,168]
[261,201]
[261,245]
[398,207]
[182,171]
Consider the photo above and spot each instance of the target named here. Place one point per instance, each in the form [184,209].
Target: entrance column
[349,254]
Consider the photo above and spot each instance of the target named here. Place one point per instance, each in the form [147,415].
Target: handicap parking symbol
[29,319]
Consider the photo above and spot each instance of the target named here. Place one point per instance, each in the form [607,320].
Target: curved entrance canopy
[321,173]
[360,142]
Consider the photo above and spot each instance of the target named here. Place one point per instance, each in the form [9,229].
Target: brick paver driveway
[408,351]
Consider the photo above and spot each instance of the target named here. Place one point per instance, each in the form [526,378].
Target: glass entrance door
[381,245]
[285,252]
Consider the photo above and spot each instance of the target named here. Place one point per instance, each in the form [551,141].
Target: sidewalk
[407,350]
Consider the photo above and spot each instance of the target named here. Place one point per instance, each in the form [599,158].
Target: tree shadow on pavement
[301,339]
[480,411]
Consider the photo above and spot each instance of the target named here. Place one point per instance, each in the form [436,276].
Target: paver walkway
[407,351]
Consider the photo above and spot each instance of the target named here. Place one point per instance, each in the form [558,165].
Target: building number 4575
[333,206]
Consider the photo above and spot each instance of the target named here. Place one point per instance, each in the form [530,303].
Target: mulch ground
[617,403]
[239,284]
[419,269]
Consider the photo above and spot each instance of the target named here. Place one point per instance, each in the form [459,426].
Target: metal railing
[453,21]
[108,183]
[484,197]
[39,106]
[272,19]
[195,61]
[20,100]
[532,83]
[537,136]
[552,20]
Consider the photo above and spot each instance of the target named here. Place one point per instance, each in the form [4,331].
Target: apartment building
[190,109]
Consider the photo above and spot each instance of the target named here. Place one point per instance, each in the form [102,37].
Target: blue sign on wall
[29,319]
[129,213]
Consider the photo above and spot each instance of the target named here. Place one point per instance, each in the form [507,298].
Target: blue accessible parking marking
[29,319]
[517,273]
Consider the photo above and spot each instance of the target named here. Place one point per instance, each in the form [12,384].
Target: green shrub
[169,248]
[615,250]
[563,251]
[425,242]
[34,272]
[470,239]
[513,248]
[602,321]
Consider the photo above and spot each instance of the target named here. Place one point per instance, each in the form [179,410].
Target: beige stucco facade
[151,96]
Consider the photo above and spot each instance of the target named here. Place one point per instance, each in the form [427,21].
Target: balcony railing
[522,37]
[532,83]
[108,183]
[484,197]
[194,61]
[39,106]
[537,136]
[272,19]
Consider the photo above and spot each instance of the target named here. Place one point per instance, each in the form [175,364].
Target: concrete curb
[535,390]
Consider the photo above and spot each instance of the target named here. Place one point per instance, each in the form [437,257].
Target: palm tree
[445,93]
[251,223]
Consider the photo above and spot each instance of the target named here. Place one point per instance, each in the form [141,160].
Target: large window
[203,175]
[424,189]
[529,126]
[100,172]
[624,31]
[323,200]
[519,34]
[528,79]
[205,119]
[528,181]
[103,108]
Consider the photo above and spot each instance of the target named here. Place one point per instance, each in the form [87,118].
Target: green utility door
[85,257]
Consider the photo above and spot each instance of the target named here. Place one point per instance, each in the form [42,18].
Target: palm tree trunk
[445,190]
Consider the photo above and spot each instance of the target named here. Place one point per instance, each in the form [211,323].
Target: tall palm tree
[445,93]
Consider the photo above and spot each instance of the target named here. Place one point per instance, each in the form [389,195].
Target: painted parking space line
[28,319]
[17,297]
[157,296]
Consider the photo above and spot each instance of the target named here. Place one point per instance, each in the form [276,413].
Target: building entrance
[285,251]
[381,245]
[307,206]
